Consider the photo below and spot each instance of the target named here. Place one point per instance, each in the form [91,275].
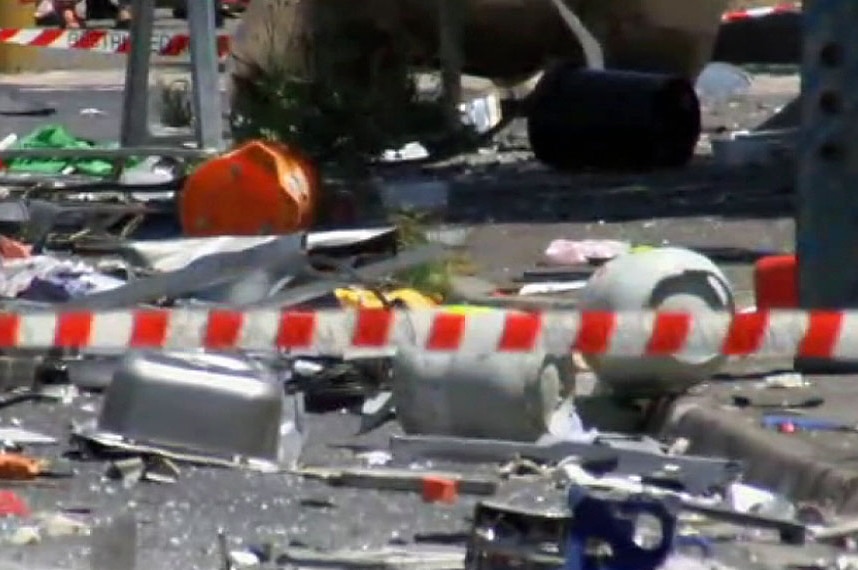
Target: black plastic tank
[612,120]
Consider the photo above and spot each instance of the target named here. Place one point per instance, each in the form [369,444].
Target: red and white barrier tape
[783,8]
[101,41]
[775,334]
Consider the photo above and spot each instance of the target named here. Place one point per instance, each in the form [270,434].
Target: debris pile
[516,440]
[385,457]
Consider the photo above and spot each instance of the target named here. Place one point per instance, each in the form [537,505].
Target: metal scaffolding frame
[827,173]
[136,138]
[208,124]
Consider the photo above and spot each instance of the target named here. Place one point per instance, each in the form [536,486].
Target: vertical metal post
[827,224]
[135,105]
[204,72]
[451,16]
[827,219]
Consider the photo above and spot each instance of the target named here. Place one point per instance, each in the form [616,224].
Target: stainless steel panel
[223,406]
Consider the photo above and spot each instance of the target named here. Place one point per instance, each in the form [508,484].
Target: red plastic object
[776,282]
[11,505]
[440,490]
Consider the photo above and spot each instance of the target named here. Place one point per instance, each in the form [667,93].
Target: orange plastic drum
[260,188]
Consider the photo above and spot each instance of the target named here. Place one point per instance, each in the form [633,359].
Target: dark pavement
[93,113]
[179,523]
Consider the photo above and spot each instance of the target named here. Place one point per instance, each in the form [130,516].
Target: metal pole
[827,224]
[594,56]
[135,105]
[827,185]
[204,71]
[451,28]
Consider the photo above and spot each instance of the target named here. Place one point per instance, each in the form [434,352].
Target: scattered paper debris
[569,252]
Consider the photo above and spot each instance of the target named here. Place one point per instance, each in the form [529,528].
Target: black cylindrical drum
[617,120]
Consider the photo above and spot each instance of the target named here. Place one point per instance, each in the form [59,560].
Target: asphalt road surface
[90,112]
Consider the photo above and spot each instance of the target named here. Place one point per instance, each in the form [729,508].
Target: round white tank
[665,279]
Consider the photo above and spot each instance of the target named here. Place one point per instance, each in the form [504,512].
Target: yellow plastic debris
[467,309]
[354,298]
[641,249]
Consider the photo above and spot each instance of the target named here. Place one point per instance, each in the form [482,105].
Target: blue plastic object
[613,521]
[804,423]
[702,544]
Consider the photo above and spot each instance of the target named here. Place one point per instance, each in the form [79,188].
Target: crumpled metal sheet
[221,274]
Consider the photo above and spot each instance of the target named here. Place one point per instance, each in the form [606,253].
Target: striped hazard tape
[783,8]
[775,334]
[101,41]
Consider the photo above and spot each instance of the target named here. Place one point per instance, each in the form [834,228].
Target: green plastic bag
[56,136]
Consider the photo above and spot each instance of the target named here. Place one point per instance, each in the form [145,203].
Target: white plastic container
[666,279]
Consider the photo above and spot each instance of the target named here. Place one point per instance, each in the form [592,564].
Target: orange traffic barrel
[776,282]
[260,188]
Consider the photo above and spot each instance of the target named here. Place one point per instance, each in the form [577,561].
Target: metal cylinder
[495,396]
[618,120]
[667,279]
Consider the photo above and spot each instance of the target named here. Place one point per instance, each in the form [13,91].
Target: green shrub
[358,99]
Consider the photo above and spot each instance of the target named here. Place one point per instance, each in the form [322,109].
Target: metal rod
[204,71]
[135,105]
[593,54]
[451,28]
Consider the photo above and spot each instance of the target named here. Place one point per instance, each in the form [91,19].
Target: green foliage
[431,278]
[346,113]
